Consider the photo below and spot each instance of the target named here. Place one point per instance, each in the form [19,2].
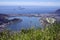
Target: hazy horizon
[27,9]
[29,6]
[29,2]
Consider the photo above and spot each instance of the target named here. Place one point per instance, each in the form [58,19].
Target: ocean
[27,9]
[27,22]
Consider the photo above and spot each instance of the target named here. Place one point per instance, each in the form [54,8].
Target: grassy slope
[51,32]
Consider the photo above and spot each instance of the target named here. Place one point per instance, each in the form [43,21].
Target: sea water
[27,22]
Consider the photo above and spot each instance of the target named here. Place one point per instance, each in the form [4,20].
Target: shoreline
[33,15]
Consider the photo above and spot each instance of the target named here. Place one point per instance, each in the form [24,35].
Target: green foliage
[52,32]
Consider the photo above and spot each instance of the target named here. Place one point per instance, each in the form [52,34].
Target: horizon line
[30,3]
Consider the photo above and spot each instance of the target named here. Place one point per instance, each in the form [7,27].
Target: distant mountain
[20,8]
[57,11]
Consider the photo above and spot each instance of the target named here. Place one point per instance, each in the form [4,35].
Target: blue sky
[34,0]
[30,2]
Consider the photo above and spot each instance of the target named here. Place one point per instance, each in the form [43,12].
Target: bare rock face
[46,21]
[43,21]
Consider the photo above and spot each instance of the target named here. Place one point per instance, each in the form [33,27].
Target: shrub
[52,32]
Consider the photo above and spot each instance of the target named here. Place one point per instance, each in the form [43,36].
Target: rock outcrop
[4,21]
[45,21]
[15,20]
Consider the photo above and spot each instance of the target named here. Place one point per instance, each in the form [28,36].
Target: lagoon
[27,22]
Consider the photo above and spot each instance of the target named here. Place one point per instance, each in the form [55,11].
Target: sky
[33,0]
[30,2]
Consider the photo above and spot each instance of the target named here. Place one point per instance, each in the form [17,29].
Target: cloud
[30,3]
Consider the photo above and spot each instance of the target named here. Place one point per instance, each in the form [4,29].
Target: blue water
[27,9]
[27,22]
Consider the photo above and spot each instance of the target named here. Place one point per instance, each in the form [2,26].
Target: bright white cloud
[30,3]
